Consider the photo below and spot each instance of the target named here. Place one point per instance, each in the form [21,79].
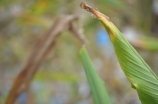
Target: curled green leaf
[143,79]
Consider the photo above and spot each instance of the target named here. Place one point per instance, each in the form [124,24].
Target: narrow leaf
[98,90]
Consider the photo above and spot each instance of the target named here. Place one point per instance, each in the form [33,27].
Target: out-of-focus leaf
[3,2]
[149,43]
[56,76]
[144,42]
[41,6]
[143,79]
[35,20]
[115,3]
[98,89]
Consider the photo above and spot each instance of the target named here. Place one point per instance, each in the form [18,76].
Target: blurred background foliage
[61,78]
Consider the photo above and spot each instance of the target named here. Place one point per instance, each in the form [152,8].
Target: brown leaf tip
[90,9]
[85,7]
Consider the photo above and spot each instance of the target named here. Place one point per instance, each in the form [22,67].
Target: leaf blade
[98,90]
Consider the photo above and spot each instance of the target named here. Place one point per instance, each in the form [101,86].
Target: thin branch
[78,33]
[39,52]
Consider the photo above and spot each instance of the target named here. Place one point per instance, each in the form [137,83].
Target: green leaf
[133,86]
[148,43]
[143,79]
[58,76]
[98,90]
